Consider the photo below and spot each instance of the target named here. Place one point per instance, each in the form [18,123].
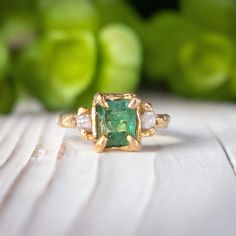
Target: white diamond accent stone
[84,122]
[148,120]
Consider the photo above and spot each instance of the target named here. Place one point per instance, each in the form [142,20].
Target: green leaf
[59,67]
[7,89]
[4,59]
[68,15]
[164,33]
[19,30]
[118,11]
[204,65]
[8,96]
[120,59]
[217,15]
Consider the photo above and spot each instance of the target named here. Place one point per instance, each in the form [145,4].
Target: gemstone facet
[84,122]
[116,122]
[148,120]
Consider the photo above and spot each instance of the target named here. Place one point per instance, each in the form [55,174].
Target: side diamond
[148,120]
[84,122]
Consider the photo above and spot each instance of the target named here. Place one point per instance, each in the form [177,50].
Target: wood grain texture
[12,132]
[183,182]
[34,179]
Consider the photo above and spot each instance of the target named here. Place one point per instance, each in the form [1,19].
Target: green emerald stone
[116,122]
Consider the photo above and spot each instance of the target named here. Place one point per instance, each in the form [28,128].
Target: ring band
[116,121]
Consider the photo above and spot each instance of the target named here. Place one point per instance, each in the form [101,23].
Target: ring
[116,121]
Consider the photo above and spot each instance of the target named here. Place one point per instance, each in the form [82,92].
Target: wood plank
[182,183]
[69,191]
[187,176]
[223,127]
[10,135]
[29,187]
[196,191]
[3,120]
[21,155]
[121,195]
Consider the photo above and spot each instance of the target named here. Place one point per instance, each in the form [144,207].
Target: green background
[62,52]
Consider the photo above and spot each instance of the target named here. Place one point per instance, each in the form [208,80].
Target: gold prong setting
[134,103]
[146,121]
[119,106]
[84,123]
[134,145]
[100,99]
[146,106]
[82,111]
[100,144]
[153,120]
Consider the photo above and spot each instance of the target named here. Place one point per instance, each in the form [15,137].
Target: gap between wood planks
[29,173]
[212,129]
[227,151]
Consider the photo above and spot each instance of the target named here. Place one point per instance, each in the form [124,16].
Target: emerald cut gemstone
[116,122]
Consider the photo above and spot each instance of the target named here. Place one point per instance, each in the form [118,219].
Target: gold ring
[116,121]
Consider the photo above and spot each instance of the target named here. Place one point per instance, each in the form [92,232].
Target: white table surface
[183,182]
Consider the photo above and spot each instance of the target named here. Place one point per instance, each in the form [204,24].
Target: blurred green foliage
[63,51]
[192,51]
[213,15]
[7,89]
[120,59]
[59,66]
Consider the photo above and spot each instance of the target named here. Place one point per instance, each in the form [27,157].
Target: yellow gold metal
[134,103]
[101,144]
[148,132]
[69,121]
[86,135]
[83,110]
[162,121]
[134,145]
[99,99]
[146,106]
[103,97]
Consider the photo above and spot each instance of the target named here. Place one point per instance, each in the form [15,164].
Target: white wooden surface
[183,182]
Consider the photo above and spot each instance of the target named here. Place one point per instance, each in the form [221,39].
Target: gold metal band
[162,121]
[67,121]
[134,143]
